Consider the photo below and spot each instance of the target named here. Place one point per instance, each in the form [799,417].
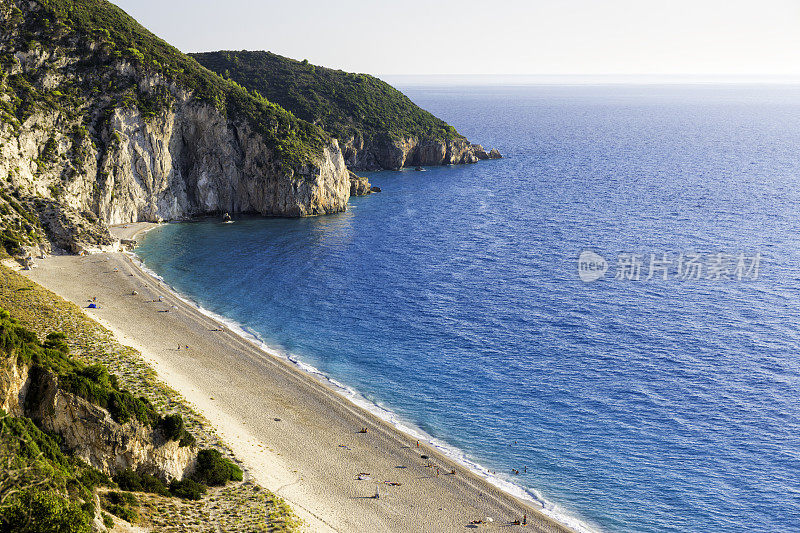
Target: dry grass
[237,507]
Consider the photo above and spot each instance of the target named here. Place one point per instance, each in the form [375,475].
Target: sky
[621,38]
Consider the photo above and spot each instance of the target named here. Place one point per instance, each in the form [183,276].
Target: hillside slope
[101,122]
[377,126]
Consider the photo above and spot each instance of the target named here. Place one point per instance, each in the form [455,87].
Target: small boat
[226,219]
[419,169]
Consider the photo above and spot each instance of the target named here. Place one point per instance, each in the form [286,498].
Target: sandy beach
[296,435]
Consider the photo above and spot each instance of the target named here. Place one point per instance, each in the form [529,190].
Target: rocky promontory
[104,123]
[411,151]
[378,127]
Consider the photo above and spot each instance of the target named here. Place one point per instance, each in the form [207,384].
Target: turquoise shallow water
[452,298]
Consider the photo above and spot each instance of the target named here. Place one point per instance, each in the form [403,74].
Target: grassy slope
[42,489]
[344,104]
[234,507]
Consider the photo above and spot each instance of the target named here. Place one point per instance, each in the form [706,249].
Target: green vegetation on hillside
[44,489]
[18,225]
[90,382]
[344,104]
[213,469]
[241,506]
[105,35]
[41,488]
[121,504]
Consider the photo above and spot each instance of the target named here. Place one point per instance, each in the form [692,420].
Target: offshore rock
[359,186]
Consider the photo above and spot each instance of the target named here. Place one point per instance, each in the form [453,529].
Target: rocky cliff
[103,123]
[378,127]
[359,185]
[92,434]
[393,154]
[13,387]
[192,161]
[88,430]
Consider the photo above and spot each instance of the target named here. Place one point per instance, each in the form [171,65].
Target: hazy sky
[729,37]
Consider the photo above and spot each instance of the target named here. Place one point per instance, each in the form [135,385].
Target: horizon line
[610,78]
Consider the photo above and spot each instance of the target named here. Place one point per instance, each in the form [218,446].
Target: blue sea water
[452,298]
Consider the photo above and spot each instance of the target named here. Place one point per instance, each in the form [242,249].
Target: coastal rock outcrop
[92,136]
[359,186]
[91,433]
[412,151]
[481,154]
[89,430]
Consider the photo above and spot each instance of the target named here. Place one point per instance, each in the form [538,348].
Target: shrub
[35,511]
[187,489]
[133,481]
[135,55]
[122,498]
[173,428]
[123,512]
[91,478]
[213,469]
[56,341]
[120,503]
[124,406]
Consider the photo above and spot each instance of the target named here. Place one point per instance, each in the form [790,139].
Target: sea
[606,321]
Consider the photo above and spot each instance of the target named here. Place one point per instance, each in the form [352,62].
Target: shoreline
[408,428]
[478,495]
